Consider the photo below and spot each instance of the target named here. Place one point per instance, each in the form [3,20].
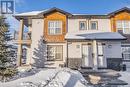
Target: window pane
[93,25]
[82,25]
[54,52]
[126,52]
[50,53]
[119,25]
[55,27]
[126,31]
[126,24]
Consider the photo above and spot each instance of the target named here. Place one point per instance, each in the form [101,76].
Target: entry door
[101,56]
[86,56]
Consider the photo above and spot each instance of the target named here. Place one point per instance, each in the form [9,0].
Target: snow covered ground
[48,78]
[125,76]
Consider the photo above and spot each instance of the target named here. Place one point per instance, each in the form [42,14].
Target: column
[19,54]
[95,57]
[28,57]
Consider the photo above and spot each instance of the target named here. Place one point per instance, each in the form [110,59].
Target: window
[93,25]
[126,52]
[123,25]
[82,25]
[54,52]
[54,27]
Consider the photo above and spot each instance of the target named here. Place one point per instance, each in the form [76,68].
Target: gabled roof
[43,12]
[95,36]
[118,11]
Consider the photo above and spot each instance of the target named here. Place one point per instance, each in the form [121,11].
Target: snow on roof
[96,36]
[32,13]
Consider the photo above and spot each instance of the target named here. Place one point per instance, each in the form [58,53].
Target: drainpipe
[67,54]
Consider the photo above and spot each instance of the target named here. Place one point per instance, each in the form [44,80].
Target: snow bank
[125,76]
[68,78]
[49,78]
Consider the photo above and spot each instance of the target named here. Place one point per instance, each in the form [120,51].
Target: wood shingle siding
[55,16]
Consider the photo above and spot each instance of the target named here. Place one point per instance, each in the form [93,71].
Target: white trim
[54,26]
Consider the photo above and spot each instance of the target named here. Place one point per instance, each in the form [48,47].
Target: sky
[71,6]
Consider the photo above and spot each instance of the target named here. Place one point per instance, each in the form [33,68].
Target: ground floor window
[126,52]
[54,52]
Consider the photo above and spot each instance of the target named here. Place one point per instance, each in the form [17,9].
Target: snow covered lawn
[48,78]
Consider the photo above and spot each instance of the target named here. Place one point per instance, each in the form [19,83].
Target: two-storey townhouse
[58,38]
[120,22]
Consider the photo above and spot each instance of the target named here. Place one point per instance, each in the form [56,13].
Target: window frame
[126,47]
[96,25]
[54,24]
[55,59]
[123,26]
[85,25]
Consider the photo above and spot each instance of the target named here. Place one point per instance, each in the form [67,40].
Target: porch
[94,50]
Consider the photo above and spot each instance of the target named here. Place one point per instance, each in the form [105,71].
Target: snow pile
[68,78]
[49,78]
[125,76]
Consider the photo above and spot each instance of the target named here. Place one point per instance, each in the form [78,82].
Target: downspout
[67,54]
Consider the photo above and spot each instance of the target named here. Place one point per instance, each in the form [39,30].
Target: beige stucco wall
[103,25]
[114,51]
[37,46]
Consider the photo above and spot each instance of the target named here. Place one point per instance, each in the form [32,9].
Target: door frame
[90,65]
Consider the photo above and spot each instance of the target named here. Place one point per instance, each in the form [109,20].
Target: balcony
[26,39]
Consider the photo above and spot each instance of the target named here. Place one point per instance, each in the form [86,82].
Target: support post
[67,54]
[19,54]
[95,59]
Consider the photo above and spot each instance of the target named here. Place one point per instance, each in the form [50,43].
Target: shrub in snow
[7,73]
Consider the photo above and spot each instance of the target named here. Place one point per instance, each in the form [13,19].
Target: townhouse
[57,38]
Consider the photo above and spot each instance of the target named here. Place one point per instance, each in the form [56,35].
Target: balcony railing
[26,39]
[26,35]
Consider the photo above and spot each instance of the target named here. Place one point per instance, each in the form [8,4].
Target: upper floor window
[123,25]
[126,52]
[54,27]
[82,25]
[93,25]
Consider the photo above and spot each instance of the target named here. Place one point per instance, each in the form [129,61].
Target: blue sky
[72,6]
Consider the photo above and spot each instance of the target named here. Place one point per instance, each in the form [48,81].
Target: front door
[101,55]
[86,56]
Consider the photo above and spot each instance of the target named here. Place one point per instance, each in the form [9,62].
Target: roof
[120,10]
[95,36]
[32,13]
[89,16]
[35,13]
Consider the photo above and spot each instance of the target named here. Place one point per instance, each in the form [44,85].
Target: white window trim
[96,25]
[127,45]
[54,47]
[85,25]
[55,27]
[123,26]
